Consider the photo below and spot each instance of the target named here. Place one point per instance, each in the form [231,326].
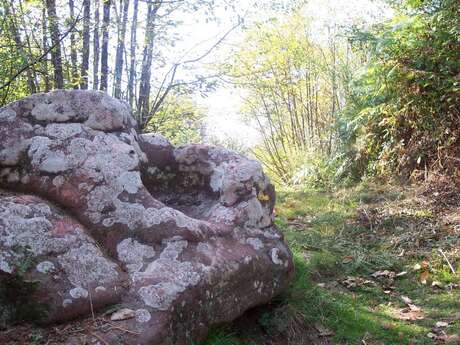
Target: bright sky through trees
[224,120]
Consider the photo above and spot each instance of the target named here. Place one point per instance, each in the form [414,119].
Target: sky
[223,117]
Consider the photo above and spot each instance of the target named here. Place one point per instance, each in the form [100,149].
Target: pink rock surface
[183,236]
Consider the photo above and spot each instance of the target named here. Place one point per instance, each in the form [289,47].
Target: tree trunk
[56,57]
[132,68]
[85,51]
[45,49]
[147,57]
[29,48]
[105,45]
[19,45]
[120,49]
[73,47]
[96,46]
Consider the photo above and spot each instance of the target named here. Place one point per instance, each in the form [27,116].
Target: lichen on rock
[182,237]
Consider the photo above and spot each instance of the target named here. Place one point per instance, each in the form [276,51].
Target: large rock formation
[93,214]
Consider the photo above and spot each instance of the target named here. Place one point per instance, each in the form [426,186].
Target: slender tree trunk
[96,46]
[132,68]
[120,49]
[45,48]
[73,47]
[19,44]
[105,45]
[56,57]
[85,51]
[147,57]
[29,48]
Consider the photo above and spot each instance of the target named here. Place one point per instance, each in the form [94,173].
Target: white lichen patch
[255,243]
[63,131]
[7,114]
[66,302]
[57,109]
[133,253]
[142,315]
[216,178]
[160,296]
[114,114]
[5,262]
[274,254]
[222,214]
[78,292]
[86,265]
[100,289]
[156,216]
[173,249]
[45,267]
[58,181]
[156,139]
[55,162]
[34,233]
[130,214]
[130,181]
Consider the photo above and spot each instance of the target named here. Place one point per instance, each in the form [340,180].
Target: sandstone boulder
[93,214]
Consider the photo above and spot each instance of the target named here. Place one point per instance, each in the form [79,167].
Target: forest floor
[376,264]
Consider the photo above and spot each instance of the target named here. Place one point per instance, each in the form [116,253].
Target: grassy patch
[361,254]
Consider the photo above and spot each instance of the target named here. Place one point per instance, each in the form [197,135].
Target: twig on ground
[91,305]
[98,337]
[447,260]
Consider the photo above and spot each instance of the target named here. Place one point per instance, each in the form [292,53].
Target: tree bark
[73,48]
[20,45]
[147,57]
[96,46]
[105,45]
[85,51]
[56,57]
[30,55]
[120,49]
[132,68]
[45,49]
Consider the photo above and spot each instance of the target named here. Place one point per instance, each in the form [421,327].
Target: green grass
[323,230]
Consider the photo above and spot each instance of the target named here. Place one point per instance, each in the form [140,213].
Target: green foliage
[179,119]
[221,336]
[294,89]
[403,112]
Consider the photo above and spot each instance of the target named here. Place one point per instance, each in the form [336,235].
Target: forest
[352,108]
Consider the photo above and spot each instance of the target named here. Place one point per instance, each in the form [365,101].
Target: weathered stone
[95,214]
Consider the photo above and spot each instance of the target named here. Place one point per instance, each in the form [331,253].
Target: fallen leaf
[417,267]
[451,338]
[123,314]
[441,324]
[413,307]
[437,284]
[424,277]
[431,335]
[406,299]
[323,331]
[385,273]
[347,259]
[401,274]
